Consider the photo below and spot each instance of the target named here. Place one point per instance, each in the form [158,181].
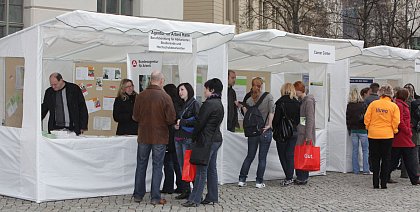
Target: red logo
[134,63]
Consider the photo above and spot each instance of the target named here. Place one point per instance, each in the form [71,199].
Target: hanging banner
[417,65]
[142,64]
[321,53]
[170,42]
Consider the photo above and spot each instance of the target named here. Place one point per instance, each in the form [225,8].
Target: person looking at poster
[66,105]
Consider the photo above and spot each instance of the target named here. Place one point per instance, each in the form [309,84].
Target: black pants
[380,155]
[410,161]
[171,166]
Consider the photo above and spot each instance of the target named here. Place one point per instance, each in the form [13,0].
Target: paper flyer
[112,87]
[83,88]
[89,85]
[108,103]
[20,74]
[99,83]
[111,73]
[81,73]
[93,105]
[91,73]
[101,123]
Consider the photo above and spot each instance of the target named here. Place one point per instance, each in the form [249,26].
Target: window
[119,7]
[11,16]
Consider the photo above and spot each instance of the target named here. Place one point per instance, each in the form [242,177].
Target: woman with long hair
[123,108]
[357,130]
[288,106]
[208,129]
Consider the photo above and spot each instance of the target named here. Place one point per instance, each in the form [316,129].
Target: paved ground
[334,192]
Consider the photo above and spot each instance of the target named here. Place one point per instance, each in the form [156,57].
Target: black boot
[183,195]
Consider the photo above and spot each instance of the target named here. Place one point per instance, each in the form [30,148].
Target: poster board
[89,75]
[14,68]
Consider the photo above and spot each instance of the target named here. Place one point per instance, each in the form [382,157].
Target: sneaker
[367,173]
[242,184]
[287,182]
[260,185]
[137,199]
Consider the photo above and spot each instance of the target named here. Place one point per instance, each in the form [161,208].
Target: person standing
[357,130]
[154,111]
[373,94]
[403,146]
[232,120]
[208,128]
[123,108]
[261,142]
[186,120]
[382,118]
[66,105]
[306,127]
[364,93]
[289,105]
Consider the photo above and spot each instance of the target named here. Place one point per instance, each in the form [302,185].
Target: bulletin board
[99,82]
[14,68]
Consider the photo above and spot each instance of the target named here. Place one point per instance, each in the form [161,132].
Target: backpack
[253,119]
[284,129]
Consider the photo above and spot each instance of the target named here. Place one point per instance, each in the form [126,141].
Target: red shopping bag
[307,157]
[188,170]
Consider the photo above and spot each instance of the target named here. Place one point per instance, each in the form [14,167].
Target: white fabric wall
[277,80]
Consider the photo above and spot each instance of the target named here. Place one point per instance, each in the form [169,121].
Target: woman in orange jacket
[381,119]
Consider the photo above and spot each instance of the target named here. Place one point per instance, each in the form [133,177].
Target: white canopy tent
[286,55]
[382,63]
[37,168]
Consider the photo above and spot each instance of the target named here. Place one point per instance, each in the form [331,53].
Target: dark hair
[374,87]
[364,91]
[171,90]
[402,94]
[189,89]
[214,85]
[57,76]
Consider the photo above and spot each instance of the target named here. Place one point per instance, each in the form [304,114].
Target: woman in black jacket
[208,129]
[186,119]
[123,108]
[356,128]
[286,148]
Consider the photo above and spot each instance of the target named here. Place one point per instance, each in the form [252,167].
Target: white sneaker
[260,185]
[242,184]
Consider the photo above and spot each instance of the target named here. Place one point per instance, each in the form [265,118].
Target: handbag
[188,170]
[307,157]
[284,130]
[200,152]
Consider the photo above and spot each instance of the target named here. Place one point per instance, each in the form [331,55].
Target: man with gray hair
[66,104]
[154,111]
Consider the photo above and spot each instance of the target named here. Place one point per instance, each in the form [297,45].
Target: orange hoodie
[382,118]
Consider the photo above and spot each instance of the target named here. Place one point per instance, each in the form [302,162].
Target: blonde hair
[121,93]
[288,89]
[354,96]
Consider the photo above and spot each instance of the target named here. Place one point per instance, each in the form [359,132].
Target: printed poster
[101,123]
[108,103]
[81,73]
[20,74]
[99,83]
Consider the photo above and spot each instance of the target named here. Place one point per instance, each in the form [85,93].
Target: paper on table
[108,103]
[81,73]
[101,123]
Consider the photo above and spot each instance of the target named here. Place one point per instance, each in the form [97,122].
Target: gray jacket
[307,113]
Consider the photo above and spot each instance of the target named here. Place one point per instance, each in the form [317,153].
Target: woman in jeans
[306,127]
[208,129]
[382,118]
[357,130]
[186,119]
[286,149]
[262,141]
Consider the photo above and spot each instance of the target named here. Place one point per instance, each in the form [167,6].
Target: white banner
[417,65]
[170,42]
[142,64]
[321,53]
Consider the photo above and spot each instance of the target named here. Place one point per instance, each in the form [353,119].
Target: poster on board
[142,65]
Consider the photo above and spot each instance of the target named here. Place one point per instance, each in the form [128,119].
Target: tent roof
[81,35]
[383,61]
[268,50]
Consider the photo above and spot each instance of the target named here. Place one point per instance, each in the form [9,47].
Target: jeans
[409,157]
[263,141]
[355,138]
[180,147]
[286,152]
[380,153]
[170,165]
[208,173]
[143,153]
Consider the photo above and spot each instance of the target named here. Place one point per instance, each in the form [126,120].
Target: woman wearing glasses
[123,108]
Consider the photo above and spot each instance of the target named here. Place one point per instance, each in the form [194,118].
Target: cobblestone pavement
[334,192]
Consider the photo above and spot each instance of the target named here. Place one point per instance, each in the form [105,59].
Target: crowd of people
[385,120]
[168,120]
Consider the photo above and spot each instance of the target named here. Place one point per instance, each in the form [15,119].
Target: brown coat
[154,111]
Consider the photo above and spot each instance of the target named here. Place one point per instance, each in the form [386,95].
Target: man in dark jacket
[155,112]
[66,104]
[374,87]
[232,120]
